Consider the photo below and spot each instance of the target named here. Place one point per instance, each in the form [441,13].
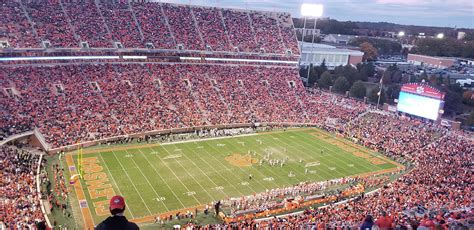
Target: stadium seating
[135,25]
[183,25]
[20,207]
[121,23]
[155,29]
[78,102]
[88,25]
[16,29]
[51,24]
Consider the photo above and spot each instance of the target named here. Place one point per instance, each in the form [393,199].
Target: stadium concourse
[71,101]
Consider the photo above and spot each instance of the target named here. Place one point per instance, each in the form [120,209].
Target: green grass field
[159,179]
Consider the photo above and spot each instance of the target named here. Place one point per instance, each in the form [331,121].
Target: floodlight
[312,10]
[401,33]
[440,36]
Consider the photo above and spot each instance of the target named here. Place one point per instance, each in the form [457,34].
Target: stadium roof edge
[220,7]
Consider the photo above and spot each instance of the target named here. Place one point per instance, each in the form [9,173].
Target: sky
[449,13]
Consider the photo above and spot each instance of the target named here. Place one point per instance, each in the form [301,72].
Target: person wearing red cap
[117,220]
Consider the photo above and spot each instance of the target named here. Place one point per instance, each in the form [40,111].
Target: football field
[164,178]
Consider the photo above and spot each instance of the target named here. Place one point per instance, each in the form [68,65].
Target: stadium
[198,118]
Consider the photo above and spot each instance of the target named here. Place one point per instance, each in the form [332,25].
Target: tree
[303,72]
[387,78]
[366,70]
[470,120]
[370,52]
[341,85]
[350,73]
[383,46]
[325,80]
[468,97]
[422,76]
[452,101]
[313,75]
[393,91]
[358,89]
[374,95]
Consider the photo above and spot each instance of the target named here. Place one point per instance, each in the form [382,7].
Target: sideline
[81,197]
[209,138]
[38,188]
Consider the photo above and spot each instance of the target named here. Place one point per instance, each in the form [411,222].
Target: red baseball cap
[117,202]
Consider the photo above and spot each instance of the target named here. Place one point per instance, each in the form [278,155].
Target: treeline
[332,26]
[327,26]
[383,46]
[447,47]
[341,79]
[347,78]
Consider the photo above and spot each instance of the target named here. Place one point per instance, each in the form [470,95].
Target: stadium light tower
[401,33]
[310,11]
[440,36]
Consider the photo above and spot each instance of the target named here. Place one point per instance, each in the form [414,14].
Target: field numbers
[332,168]
[190,193]
[219,188]
[268,179]
[200,147]
[220,145]
[154,153]
[128,155]
[350,165]
[159,199]
[244,183]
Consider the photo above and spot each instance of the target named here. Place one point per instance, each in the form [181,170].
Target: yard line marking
[169,187]
[306,155]
[185,155]
[277,185]
[215,171]
[113,181]
[230,168]
[326,165]
[172,171]
[120,163]
[210,196]
[334,153]
[343,156]
[271,169]
[146,178]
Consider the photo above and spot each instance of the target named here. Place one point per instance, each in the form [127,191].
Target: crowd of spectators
[51,24]
[16,29]
[94,101]
[240,31]
[89,102]
[183,26]
[212,29]
[122,25]
[267,33]
[287,32]
[376,130]
[101,24]
[20,205]
[88,25]
[435,194]
[151,20]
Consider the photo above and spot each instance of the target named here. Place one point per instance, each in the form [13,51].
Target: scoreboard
[421,100]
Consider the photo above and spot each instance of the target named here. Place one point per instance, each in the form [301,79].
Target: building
[461,35]
[332,56]
[308,32]
[429,61]
[339,38]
